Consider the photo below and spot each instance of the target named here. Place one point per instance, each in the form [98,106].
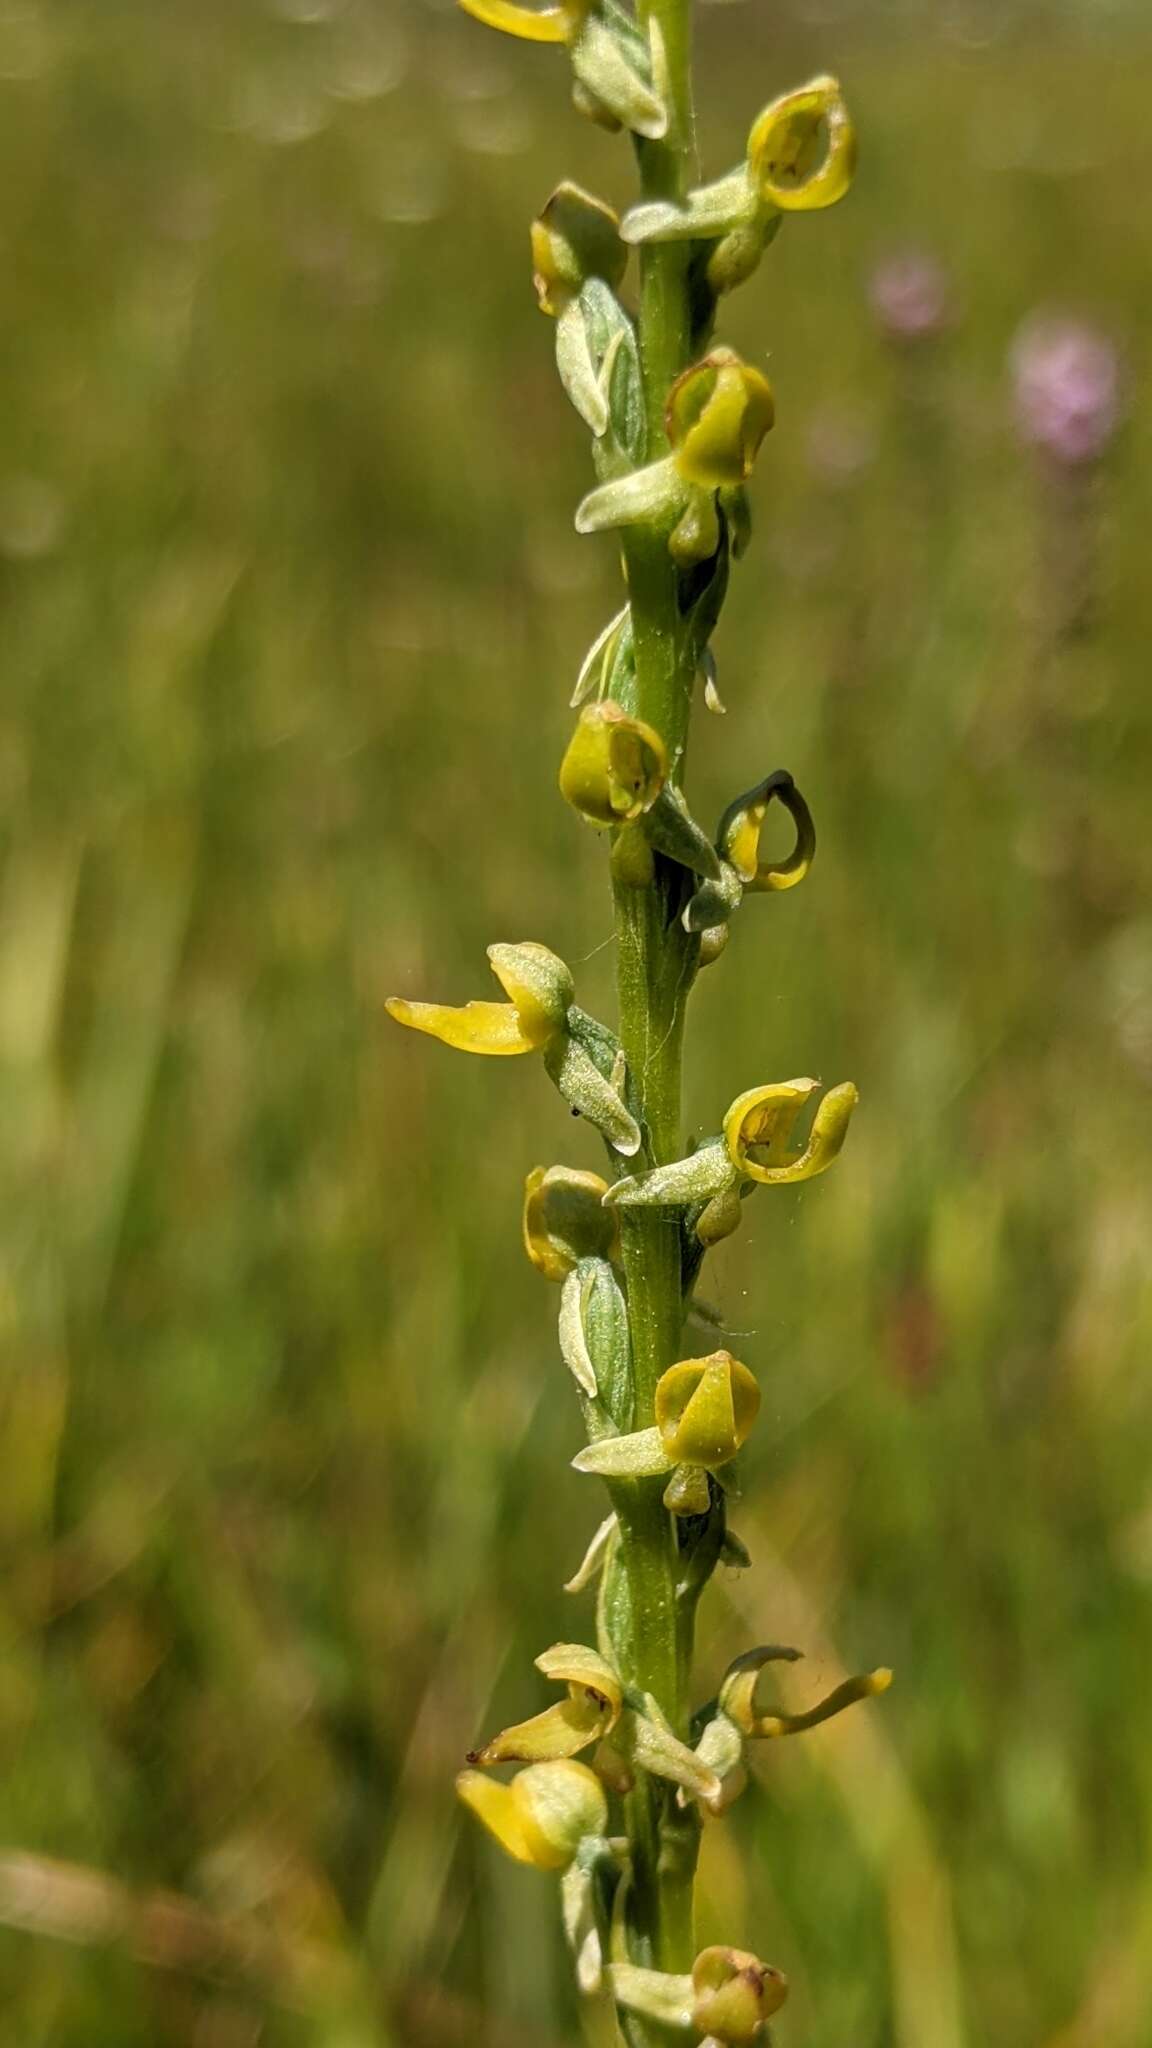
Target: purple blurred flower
[1066,377]
[911,296]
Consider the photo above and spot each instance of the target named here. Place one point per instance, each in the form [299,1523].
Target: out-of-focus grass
[291,608]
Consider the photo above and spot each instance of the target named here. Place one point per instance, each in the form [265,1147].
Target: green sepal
[594,1559]
[715,901]
[594,669]
[652,1993]
[654,496]
[700,1177]
[729,202]
[577,368]
[673,830]
[614,1625]
[608,1340]
[644,1737]
[615,354]
[589,1090]
[605,61]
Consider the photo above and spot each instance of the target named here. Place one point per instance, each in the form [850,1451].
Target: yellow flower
[759,1124]
[575,237]
[737,1696]
[717,414]
[545,1813]
[590,1712]
[612,61]
[738,838]
[705,1409]
[734,1994]
[541,990]
[802,149]
[565,1220]
[615,766]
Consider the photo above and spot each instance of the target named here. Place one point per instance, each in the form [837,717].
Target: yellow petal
[584,1670]
[705,1409]
[531,24]
[802,149]
[560,1731]
[492,1028]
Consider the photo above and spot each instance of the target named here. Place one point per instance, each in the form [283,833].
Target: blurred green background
[291,609]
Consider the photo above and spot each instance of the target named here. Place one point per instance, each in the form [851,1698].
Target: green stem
[656,962]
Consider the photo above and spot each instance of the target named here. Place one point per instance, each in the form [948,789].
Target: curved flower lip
[530,24]
[760,1122]
[737,1697]
[738,838]
[789,170]
[541,990]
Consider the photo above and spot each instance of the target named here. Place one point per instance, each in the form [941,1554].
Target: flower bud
[734,1994]
[717,414]
[575,237]
[615,766]
[545,1813]
[565,1220]
[802,149]
[705,1409]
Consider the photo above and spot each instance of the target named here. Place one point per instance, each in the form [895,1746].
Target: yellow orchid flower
[612,61]
[738,839]
[540,989]
[545,1813]
[716,416]
[614,767]
[759,1124]
[705,1409]
[565,1220]
[802,149]
[590,1712]
[734,1994]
